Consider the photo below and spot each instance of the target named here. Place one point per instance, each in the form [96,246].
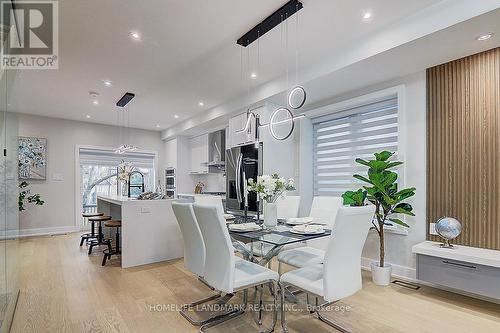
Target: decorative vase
[381,275]
[270,214]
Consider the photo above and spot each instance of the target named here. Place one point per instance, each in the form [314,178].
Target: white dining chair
[223,270]
[288,207]
[324,211]
[340,274]
[194,254]
[210,200]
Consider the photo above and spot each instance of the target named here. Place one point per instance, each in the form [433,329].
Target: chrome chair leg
[331,323]
[261,305]
[220,319]
[245,298]
[223,318]
[275,310]
[202,280]
[186,307]
[284,327]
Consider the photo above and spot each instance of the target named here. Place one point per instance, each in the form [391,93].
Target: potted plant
[25,196]
[382,191]
[270,188]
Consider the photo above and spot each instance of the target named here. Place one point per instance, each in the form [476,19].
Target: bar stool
[109,251]
[100,236]
[88,236]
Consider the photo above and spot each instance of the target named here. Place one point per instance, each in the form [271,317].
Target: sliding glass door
[9,214]
[9,194]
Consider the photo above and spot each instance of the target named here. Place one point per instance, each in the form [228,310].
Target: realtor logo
[30,34]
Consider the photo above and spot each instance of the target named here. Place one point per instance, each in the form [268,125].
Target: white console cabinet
[468,269]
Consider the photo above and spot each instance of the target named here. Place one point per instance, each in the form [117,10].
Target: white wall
[58,213]
[412,153]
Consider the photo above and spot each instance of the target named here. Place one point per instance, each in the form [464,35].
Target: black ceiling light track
[125,99]
[287,10]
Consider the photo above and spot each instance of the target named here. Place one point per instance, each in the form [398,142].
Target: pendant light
[296,97]
[123,115]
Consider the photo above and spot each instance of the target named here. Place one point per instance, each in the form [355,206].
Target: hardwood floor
[64,290]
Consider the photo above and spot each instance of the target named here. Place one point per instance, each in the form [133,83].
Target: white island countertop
[120,199]
[149,229]
[193,195]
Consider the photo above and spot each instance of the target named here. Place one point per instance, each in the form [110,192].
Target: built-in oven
[242,163]
[170,194]
[170,182]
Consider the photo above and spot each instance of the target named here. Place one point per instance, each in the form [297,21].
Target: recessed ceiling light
[107,83]
[157,126]
[135,35]
[367,16]
[485,36]
[95,102]
[200,103]
[176,116]
[253,75]
[87,116]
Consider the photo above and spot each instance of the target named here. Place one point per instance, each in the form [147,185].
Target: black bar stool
[89,236]
[100,235]
[109,251]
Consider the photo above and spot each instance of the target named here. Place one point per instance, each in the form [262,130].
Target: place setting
[244,227]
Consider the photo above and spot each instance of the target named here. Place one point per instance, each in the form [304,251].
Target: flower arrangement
[124,171]
[271,187]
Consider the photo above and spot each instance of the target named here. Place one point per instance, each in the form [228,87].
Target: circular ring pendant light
[297,97]
[288,121]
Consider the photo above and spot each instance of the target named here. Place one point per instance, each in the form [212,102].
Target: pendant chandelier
[296,96]
[123,121]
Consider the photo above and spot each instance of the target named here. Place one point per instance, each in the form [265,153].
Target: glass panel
[96,180]
[9,193]
[3,200]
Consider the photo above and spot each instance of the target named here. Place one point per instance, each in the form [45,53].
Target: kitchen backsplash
[213,182]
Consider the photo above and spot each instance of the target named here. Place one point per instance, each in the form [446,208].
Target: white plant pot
[270,215]
[381,275]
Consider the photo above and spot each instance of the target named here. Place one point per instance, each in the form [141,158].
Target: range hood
[217,150]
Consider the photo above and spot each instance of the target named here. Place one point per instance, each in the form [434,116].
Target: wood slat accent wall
[463,147]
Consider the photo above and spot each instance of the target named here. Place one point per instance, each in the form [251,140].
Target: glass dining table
[272,240]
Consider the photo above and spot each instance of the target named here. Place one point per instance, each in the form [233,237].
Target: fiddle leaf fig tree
[356,198]
[382,191]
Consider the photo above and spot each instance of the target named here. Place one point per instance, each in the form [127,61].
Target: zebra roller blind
[342,137]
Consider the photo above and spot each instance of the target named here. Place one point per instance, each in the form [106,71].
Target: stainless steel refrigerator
[242,163]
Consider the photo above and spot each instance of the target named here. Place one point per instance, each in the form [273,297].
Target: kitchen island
[149,231]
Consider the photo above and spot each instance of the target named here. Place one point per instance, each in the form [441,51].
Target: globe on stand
[448,228]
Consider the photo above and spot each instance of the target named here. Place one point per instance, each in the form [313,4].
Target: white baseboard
[38,232]
[407,273]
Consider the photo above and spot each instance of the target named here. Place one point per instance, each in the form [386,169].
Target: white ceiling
[187,53]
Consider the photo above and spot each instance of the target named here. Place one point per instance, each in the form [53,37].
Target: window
[341,137]
[98,170]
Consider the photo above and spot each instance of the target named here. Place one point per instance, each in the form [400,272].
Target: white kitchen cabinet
[199,154]
[278,156]
[237,123]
